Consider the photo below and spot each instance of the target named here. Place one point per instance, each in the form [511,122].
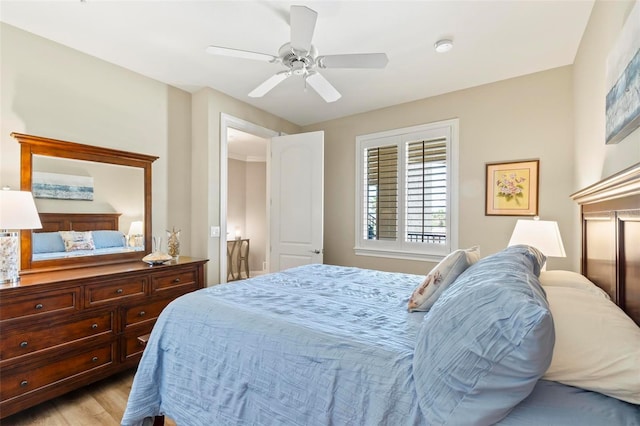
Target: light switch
[215,231]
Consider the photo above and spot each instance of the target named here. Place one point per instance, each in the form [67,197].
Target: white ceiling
[166,40]
[245,146]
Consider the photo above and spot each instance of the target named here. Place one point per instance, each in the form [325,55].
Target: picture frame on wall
[512,188]
[623,81]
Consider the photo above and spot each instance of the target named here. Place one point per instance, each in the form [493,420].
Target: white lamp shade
[541,234]
[136,228]
[18,210]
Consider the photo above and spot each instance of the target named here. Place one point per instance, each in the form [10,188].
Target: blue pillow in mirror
[107,239]
[46,242]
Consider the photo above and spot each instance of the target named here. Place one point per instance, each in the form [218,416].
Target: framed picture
[512,189]
[62,187]
[623,81]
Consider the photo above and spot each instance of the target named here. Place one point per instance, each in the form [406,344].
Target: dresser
[61,330]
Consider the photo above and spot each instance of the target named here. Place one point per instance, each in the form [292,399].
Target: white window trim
[405,250]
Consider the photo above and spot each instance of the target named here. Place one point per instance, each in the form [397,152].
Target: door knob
[315,251]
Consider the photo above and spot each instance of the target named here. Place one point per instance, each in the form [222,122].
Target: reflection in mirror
[88,198]
[98,191]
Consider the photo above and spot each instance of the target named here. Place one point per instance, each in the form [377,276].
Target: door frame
[228,121]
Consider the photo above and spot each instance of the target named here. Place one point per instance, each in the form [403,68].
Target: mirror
[84,188]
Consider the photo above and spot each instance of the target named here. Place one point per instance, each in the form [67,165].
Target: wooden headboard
[610,216]
[52,222]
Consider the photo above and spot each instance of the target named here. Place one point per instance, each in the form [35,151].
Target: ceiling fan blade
[237,53]
[303,23]
[269,84]
[353,60]
[323,87]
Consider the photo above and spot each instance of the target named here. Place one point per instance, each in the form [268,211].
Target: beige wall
[594,160]
[236,197]
[207,107]
[247,207]
[256,214]
[53,91]
[522,118]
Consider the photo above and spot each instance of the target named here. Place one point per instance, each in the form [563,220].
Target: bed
[502,342]
[68,235]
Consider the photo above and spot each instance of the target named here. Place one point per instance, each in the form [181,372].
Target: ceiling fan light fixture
[443,45]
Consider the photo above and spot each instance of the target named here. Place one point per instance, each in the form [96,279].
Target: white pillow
[445,272]
[74,240]
[597,345]
[558,278]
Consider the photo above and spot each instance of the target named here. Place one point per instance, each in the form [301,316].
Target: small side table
[237,259]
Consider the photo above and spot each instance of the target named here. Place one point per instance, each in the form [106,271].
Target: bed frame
[52,222]
[610,217]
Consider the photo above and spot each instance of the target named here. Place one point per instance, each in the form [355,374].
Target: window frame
[400,249]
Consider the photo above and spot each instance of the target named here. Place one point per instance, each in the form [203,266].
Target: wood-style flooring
[99,404]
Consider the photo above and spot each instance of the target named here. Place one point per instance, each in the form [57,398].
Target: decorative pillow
[440,277]
[485,343]
[106,239]
[597,344]
[570,279]
[47,242]
[74,240]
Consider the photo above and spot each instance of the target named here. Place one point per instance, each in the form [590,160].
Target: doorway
[244,193]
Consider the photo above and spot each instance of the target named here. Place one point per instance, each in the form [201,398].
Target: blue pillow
[486,341]
[46,242]
[106,239]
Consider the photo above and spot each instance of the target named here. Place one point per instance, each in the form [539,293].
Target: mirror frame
[36,145]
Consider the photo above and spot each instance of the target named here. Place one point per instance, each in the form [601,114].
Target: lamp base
[9,257]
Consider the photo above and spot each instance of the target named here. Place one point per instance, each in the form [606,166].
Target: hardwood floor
[99,404]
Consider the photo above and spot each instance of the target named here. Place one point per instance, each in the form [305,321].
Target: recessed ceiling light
[444,45]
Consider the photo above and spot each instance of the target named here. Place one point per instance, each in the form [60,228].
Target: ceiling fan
[301,58]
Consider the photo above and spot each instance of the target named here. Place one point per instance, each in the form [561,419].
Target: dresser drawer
[20,381]
[29,339]
[109,291]
[183,280]
[131,346]
[144,312]
[54,301]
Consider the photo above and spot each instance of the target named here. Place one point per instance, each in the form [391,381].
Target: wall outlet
[215,231]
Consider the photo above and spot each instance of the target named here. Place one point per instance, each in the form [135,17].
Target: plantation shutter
[381,192]
[426,191]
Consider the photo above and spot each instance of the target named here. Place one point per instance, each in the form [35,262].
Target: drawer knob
[94,359]
[142,313]
[119,291]
[39,306]
[23,383]
[94,326]
[23,344]
[177,280]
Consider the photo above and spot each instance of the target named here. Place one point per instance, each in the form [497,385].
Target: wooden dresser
[64,329]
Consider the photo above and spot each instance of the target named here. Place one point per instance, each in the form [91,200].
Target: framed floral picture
[512,189]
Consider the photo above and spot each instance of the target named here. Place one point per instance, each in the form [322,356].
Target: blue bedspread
[283,349]
[314,345]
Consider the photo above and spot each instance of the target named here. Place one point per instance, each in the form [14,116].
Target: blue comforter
[282,349]
[314,345]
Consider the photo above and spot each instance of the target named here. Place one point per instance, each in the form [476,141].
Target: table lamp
[136,231]
[17,211]
[541,234]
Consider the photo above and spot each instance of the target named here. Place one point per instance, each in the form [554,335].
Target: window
[407,200]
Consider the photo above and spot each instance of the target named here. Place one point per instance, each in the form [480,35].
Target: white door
[297,200]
